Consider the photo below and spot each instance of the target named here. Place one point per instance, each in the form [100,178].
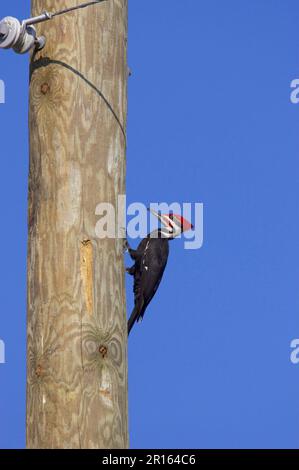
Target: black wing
[150,272]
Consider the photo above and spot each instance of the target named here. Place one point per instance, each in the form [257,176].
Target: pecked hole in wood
[86,264]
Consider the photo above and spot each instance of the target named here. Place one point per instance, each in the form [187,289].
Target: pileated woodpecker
[150,261]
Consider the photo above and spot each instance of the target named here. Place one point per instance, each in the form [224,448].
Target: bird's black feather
[150,261]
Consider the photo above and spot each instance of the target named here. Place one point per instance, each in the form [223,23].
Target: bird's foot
[126,245]
[131,270]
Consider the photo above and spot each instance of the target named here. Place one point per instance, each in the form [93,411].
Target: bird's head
[174,224]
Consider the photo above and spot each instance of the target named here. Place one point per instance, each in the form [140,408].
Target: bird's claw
[125,245]
[131,270]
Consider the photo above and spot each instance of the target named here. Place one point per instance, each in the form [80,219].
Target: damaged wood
[87,273]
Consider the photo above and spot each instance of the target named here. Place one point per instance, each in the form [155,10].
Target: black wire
[77,7]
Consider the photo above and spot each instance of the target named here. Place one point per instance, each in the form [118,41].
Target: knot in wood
[45,88]
[39,370]
[103,350]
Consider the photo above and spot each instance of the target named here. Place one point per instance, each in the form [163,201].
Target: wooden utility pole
[77,333]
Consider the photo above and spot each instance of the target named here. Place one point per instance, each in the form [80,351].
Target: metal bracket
[38,19]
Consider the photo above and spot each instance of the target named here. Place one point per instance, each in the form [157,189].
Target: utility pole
[76,326]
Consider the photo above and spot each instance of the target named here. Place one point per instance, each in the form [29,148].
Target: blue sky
[210,120]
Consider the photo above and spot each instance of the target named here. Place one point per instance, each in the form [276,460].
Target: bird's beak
[159,216]
[154,213]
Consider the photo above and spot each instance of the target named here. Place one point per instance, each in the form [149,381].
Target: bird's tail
[133,318]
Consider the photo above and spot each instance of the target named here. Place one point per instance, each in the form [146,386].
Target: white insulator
[19,36]
[10,30]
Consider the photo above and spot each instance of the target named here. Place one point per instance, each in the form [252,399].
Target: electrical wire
[77,7]
[46,16]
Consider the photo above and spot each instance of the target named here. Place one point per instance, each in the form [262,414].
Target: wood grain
[76,326]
